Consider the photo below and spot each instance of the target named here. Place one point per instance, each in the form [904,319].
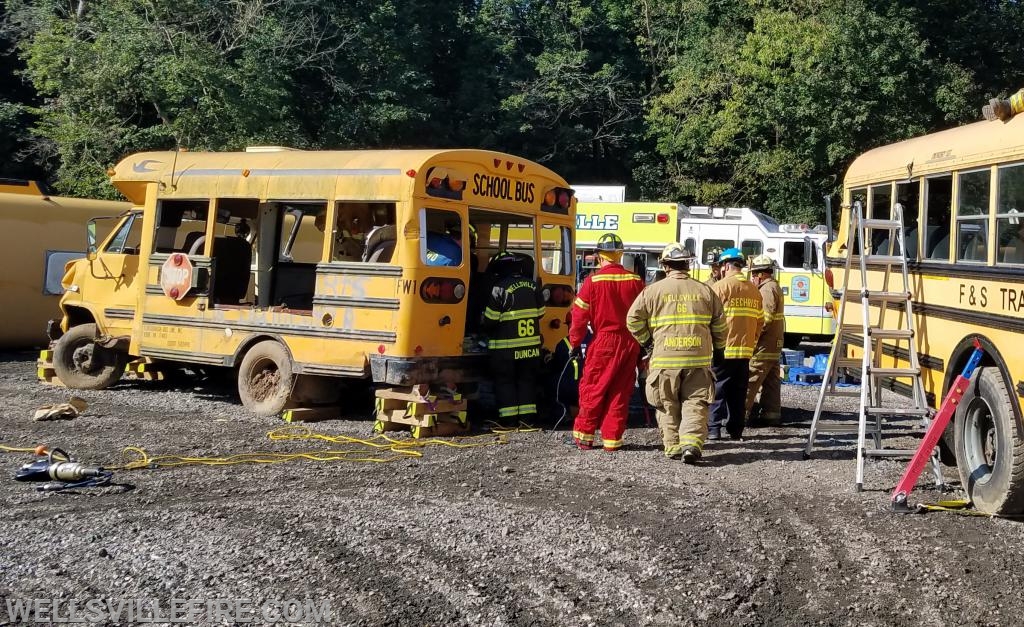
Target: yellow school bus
[299,268]
[962,193]
[42,233]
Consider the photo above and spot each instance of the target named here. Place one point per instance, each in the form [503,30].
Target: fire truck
[646,227]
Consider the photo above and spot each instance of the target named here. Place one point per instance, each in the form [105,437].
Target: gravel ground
[526,533]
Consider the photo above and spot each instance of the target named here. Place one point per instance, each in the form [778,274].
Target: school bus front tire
[989,451]
[81,363]
[265,378]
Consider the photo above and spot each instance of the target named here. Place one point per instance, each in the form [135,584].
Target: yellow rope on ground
[15,449]
[378,449]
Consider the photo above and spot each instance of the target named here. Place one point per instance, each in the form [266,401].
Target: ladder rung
[849,428]
[890,225]
[885,296]
[851,328]
[889,452]
[894,372]
[849,362]
[898,411]
[885,259]
[891,334]
[842,393]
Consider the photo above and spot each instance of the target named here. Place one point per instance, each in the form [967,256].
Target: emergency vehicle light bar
[729,213]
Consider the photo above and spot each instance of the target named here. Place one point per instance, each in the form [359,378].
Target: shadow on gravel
[18,356]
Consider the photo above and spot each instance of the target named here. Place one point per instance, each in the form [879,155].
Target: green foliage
[741,102]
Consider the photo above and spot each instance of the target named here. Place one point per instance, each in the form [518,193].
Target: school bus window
[880,209]
[691,245]
[180,224]
[364,231]
[1010,214]
[909,197]
[972,215]
[793,255]
[556,249]
[710,244]
[129,236]
[438,247]
[939,202]
[301,239]
[859,194]
[237,229]
[751,247]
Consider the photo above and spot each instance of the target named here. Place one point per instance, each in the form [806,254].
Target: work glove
[718,357]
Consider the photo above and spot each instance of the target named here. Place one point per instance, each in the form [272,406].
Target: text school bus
[646,227]
[298,268]
[42,233]
[962,193]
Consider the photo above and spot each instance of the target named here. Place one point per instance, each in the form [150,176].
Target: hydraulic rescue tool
[62,472]
[935,429]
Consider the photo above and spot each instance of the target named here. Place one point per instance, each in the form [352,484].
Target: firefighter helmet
[610,243]
[732,255]
[762,263]
[675,252]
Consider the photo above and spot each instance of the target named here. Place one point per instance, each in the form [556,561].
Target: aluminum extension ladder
[869,335]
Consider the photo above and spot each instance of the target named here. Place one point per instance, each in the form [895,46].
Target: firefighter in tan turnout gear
[744,318]
[679,322]
[764,365]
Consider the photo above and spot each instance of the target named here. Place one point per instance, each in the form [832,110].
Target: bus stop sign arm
[935,430]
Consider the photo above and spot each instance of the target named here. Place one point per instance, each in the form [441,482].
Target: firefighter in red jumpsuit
[610,372]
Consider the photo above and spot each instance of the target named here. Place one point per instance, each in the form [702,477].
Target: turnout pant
[727,410]
[681,398]
[515,385]
[765,378]
[609,376]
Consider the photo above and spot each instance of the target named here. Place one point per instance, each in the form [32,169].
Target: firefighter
[610,375]
[764,365]
[742,306]
[512,322]
[714,261]
[679,322]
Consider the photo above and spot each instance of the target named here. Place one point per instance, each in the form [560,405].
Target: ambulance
[646,227]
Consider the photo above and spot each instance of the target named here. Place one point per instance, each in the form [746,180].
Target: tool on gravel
[935,430]
[62,472]
[869,335]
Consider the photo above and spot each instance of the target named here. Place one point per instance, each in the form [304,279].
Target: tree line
[761,103]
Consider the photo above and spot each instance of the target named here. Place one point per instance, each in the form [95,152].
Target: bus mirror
[90,239]
[808,253]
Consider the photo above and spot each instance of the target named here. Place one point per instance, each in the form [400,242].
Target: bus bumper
[416,370]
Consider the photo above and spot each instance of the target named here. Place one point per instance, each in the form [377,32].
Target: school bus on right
[962,193]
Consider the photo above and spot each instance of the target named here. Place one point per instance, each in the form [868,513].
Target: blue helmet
[731,255]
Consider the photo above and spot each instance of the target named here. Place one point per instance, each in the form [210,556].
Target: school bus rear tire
[989,451]
[82,364]
[265,378]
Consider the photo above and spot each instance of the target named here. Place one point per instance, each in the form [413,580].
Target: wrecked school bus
[298,268]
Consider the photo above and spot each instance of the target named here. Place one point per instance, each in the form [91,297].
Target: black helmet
[609,243]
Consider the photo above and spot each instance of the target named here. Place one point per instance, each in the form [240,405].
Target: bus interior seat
[380,244]
[164,240]
[940,249]
[190,240]
[232,267]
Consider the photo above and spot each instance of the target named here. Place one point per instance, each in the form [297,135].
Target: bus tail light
[437,290]
[829,279]
[558,200]
[662,218]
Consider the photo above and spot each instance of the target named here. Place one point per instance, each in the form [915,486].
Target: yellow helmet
[762,263]
[676,252]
